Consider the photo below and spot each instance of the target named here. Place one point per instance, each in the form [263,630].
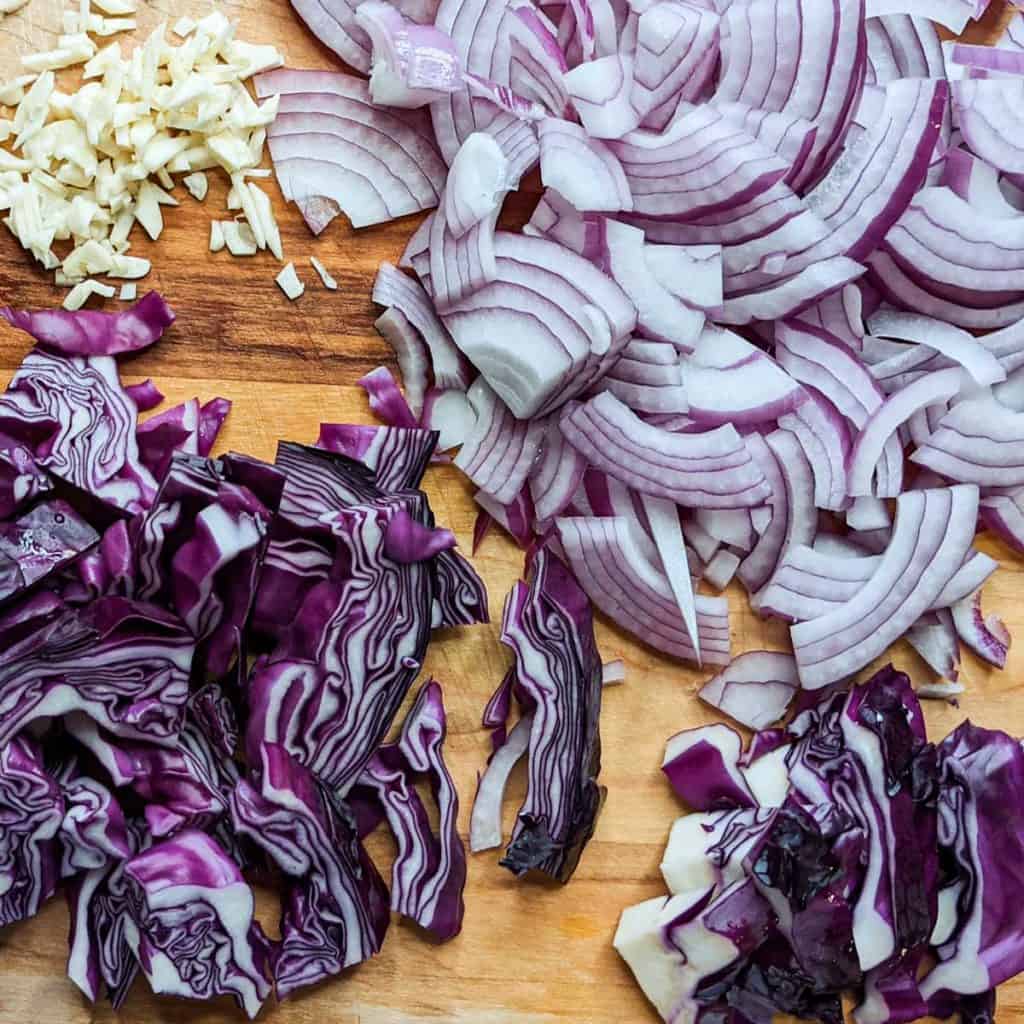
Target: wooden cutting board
[529,953]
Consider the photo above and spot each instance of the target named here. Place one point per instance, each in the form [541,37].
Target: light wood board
[529,953]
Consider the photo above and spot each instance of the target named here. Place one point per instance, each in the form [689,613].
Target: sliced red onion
[660,314]
[485,820]
[987,112]
[934,637]
[841,314]
[901,46]
[713,469]
[721,569]
[659,389]
[953,342]
[676,47]
[392,288]
[582,169]
[969,577]
[757,567]
[825,439]
[516,518]
[896,410]
[728,380]
[477,182]
[808,584]
[621,580]
[730,526]
[815,357]
[798,520]
[600,90]
[977,441]
[334,151]
[1003,514]
[334,23]
[500,450]
[663,520]
[537,63]
[868,513]
[410,352]
[692,273]
[930,539]
[549,316]
[986,635]
[450,413]
[953,14]
[482,46]
[459,266]
[413,65]
[613,672]
[703,544]
[947,259]
[755,689]
[702,164]
[792,294]
[556,475]
[977,183]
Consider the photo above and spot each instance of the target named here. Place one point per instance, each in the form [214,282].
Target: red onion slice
[987,635]
[988,114]
[728,380]
[713,469]
[675,43]
[1003,514]
[730,526]
[756,689]
[334,23]
[931,536]
[410,353]
[499,452]
[977,441]
[392,288]
[556,475]
[758,566]
[660,314]
[703,163]
[619,578]
[896,410]
[413,65]
[477,182]
[825,439]
[663,520]
[953,342]
[600,91]
[582,169]
[934,637]
[953,14]
[334,151]
[901,46]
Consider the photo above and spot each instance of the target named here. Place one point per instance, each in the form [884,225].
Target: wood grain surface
[529,953]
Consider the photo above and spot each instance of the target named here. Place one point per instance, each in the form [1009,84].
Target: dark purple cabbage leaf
[429,872]
[335,910]
[549,625]
[90,332]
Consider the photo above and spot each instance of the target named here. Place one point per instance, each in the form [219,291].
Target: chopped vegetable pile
[200,660]
[841,854]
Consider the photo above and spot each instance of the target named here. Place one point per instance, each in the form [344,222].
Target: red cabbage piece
[193,930]
[90,332]
[94,831]
[31,811]
[75,417]
[200,548]
[549,625]
[398,456]
[124,664]
[459,594]
[429,871]
[103,903]
[357,638]
[980,780]
[335,912]
[39,542]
